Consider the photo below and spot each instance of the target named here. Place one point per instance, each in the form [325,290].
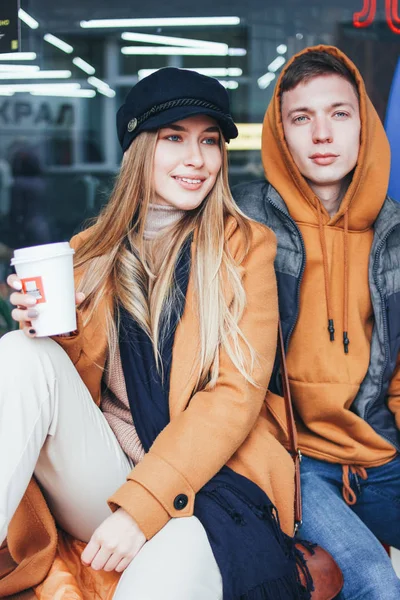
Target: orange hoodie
[324,379]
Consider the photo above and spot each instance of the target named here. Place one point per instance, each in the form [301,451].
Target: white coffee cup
[46,272]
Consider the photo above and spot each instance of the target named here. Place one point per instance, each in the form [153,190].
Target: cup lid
[40,252]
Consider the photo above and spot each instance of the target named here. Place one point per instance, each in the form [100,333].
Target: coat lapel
[185,354]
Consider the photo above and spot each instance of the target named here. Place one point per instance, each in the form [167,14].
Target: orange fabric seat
[68,578]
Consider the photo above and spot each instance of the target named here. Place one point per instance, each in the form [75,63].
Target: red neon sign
[367,14]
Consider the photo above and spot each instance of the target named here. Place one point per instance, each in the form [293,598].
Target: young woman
[177,313]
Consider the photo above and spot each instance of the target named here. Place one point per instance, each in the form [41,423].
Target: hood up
[368,188]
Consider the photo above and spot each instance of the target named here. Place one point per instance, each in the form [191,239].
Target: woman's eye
[210,141]
[173,138]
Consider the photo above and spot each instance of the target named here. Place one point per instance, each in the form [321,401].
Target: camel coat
[227,425]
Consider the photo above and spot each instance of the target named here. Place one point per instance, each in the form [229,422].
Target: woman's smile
[189,183]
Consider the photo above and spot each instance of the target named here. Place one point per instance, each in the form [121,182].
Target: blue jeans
[351,533]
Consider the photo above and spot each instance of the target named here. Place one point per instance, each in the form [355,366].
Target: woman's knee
[19,351]
[177,563]
[12,340]
[17,343]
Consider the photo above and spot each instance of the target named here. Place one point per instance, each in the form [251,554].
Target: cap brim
[228,127]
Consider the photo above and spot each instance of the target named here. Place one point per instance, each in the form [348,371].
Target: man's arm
[394,393]
[250,198]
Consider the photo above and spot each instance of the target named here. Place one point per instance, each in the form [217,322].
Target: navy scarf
[256,559]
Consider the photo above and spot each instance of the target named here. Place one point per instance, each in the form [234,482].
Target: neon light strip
[392,15]
[365,17]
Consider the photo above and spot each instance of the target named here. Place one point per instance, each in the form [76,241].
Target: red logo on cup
[34,287]
[366,16]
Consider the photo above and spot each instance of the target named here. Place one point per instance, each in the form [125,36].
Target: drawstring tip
[331,330]
[346,342]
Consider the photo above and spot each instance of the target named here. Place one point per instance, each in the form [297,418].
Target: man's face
[321,122]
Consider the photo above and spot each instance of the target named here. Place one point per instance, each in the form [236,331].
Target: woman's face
[187,161]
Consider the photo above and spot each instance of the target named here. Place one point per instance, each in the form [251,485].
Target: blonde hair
[116,260]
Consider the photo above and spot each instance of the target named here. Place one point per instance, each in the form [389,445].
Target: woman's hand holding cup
[25,312]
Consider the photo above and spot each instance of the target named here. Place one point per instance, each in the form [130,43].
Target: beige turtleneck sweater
[159,217]
[115,403]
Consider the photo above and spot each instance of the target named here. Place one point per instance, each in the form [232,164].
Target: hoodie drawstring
[348,494]
[346,340]
[331,325]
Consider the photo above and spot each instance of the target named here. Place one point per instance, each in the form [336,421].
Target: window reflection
[58,148]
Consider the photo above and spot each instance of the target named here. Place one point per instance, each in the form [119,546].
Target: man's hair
[313,64]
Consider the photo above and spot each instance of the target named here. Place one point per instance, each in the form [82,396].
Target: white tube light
[265,80]
[29,87]
[98,83]
[162,22]
[37,75]
[109,93]
[18,56]
[142,73]
[173,51]
[210,71]
[281,49]
[55,41]
[82,64]
[6,93]
[237,52]
[101,87]
[65,93]
[19,68]
[170,41]
[276,64]
[215,72]
[27,19]
[230,85]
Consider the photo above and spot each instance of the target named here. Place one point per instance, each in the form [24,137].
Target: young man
[327,158]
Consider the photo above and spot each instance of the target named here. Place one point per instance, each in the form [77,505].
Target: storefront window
[58,148]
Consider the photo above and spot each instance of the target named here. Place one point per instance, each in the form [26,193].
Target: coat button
[181,501]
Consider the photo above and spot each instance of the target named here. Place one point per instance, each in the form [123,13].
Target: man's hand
[114,543]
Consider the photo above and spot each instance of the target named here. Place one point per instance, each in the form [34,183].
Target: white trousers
[50,426]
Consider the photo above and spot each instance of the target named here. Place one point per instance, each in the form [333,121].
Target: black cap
[169,95]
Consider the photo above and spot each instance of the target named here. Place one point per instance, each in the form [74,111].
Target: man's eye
[341,114]
[300,119]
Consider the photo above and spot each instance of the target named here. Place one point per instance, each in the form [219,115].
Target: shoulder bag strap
[292,432]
